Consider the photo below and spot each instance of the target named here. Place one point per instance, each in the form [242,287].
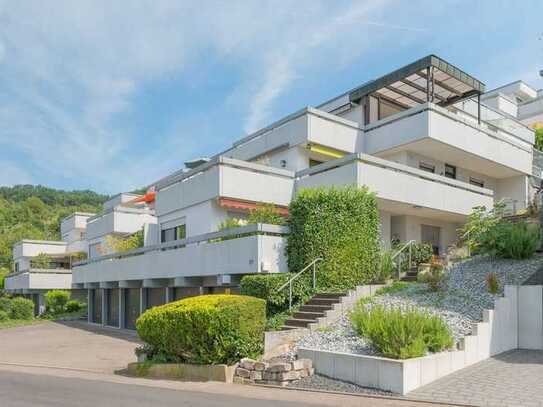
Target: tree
[539,139]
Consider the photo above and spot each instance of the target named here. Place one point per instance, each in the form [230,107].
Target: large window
[172,234]
[427,167]
[477,182]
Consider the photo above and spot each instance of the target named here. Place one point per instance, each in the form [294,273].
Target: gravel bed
[460,304]
[324,383]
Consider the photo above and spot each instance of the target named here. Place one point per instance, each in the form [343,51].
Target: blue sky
[114,95]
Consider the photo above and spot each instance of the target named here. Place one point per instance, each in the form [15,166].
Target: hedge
[208,329]
[265,286]
[22,308]
[56,300]
[341,225]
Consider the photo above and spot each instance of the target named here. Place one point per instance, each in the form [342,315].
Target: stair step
[322,301]
[409,278]
[307,315]
[315,308]
[288,328]
[330,295]
[303,323]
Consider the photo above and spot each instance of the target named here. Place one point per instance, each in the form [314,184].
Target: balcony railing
[227,234]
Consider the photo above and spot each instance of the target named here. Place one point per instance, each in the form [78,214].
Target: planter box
[182,371]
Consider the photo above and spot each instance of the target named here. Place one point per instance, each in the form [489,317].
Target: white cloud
[69,70]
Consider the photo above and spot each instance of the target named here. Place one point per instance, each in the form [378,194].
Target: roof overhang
[417,82]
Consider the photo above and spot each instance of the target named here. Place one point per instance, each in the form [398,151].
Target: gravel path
[325,383]
[460,304]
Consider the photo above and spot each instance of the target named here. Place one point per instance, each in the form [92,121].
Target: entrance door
[132,308]
[113,307]
[430,235]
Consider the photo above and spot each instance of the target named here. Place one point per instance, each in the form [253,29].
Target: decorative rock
[287,376]
[247,363]
[260,366]
[280,367]
[255,375]
[241,372]
[302,364]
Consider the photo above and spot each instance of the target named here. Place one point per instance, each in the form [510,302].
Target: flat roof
[408,85]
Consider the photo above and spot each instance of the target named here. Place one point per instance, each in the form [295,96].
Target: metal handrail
[409,245]
[295,276]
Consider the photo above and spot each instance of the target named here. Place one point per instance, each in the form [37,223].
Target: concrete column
[104,305]
[169,294]
[143,300]
[122,308]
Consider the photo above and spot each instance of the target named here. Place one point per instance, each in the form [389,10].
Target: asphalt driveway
[74,345]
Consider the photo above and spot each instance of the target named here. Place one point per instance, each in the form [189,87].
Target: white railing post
[314,275]
[290,295]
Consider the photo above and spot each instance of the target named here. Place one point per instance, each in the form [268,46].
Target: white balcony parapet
[368,159]
[232,233]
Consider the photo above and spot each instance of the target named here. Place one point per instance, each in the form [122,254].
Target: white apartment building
[425,138]
[33,280]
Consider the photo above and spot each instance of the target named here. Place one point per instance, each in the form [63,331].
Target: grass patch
[395,287]
[13,323]
[63,315]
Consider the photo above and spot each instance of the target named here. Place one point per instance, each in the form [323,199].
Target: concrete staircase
[315,308]
[411,275]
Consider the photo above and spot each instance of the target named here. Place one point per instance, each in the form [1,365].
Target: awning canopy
[235,204]
[430,79]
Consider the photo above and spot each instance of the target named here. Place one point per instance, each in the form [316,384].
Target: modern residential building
[40,266]
[425,138]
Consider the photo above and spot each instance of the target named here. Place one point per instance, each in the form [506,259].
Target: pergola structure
[430,79]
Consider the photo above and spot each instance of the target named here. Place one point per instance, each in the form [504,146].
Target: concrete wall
[237,256]
[530,311]
[118,220]
[31,248]
[407,228]
[515,191]
[35,280]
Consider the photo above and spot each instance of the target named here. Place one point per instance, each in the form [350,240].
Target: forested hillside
[34,212]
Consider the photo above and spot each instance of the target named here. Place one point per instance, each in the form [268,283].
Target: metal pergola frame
[430,79]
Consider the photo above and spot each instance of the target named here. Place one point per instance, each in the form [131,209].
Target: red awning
[248,206]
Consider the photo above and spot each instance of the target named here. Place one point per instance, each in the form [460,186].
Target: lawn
[12,323]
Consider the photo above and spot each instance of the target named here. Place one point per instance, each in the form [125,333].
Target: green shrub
[208,329]
[55,301]
[492,283]
[4,316]
[401,335]
[73,306]
[517,240]
[434,277]
[386,267]
[539,139]
[5,304]
[265,286]
[420,253]
[22,308]
[41,261]
[267,214]
[340,225]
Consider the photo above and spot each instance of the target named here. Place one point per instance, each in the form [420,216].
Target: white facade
[417,137]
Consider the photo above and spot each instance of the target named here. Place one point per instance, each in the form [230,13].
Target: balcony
[453,136]
[119,220]
[399,188]
[246,250]
[38,279]
[225,178]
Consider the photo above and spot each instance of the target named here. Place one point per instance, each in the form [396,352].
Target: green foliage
[41,261]
[386,267]
[74,306]
[208,329]
[266,214]
[434,277]
[3,273]
[55,301]
[393,288]
[4,316]
[492,283]
[230,223]
[539,139]
[477,231]
[22,308]
[5,305]
[401,335]
[265,286]
[340,225]
[35,212]
[516,240]
[117,244]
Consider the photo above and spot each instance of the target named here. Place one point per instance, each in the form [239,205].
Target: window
[476,182]
[387,108]
[172,234]
[450,171]
[427,167]
[16,266]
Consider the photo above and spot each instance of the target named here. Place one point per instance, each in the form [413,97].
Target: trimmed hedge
[56,300]
[265,286]
[341,225]
[207,329]
[5,305]
[22,308]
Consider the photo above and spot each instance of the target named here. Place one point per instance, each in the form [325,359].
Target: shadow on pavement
[125,334]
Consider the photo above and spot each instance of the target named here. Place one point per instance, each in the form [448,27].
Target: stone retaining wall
[278,373]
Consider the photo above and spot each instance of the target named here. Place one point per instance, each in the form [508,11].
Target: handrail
[295,276]
[409,245]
